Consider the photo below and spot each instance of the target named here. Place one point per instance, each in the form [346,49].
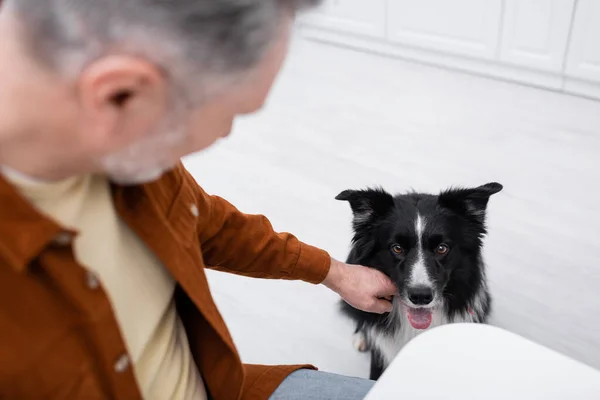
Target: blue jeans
[315,385]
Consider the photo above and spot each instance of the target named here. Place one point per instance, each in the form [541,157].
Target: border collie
[430,246]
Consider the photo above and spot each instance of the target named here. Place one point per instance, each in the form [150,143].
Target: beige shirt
[138,286]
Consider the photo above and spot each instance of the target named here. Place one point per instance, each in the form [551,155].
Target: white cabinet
[535,33]
[466,27]
[584,55]
[362,17]
[553,44]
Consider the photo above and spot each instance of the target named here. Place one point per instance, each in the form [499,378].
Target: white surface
[341,119]
[535,33]
[584,54]
[545,43]
[479,67]
[584,88]
[474,362]
[465,27]
[446,60]
[351,16]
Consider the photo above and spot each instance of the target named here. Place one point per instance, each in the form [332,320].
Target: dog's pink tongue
[419,318]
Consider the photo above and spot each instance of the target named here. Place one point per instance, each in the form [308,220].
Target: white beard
[144,161]
[137,178]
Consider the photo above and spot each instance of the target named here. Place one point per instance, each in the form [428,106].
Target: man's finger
[387,287]
[382,306]
[387,290]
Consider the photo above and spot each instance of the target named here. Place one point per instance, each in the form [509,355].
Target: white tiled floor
[341,119]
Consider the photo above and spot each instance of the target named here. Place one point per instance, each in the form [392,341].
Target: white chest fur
[388,345]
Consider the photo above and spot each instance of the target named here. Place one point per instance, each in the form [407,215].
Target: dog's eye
[397,249]
[442,249]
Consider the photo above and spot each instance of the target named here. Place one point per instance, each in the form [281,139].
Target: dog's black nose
[420,295]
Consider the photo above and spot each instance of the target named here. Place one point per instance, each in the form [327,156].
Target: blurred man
[104,236]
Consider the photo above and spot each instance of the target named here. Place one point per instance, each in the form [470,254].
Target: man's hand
[364,288]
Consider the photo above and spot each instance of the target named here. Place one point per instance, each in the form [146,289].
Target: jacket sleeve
[244,244]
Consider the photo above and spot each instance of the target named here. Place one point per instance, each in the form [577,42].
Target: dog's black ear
[367,204]
[472,202]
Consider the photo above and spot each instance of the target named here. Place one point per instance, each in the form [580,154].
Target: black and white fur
[431,248]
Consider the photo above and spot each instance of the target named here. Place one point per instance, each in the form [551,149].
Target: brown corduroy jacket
[59,338]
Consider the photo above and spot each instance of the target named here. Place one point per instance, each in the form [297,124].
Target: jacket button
[122,364]
[63,239]
[194,210]
[92,280]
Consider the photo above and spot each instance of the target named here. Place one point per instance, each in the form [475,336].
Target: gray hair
[208,38]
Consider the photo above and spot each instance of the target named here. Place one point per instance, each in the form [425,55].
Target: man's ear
[469,202]
[122,98]
[367,204]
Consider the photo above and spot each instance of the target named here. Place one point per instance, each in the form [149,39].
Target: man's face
[185,131]
[120,116]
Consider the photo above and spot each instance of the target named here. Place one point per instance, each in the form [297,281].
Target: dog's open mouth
[419,318]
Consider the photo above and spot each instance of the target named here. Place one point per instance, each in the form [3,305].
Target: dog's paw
[360,342]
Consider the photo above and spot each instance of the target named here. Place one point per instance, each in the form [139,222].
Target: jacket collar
[24,231]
